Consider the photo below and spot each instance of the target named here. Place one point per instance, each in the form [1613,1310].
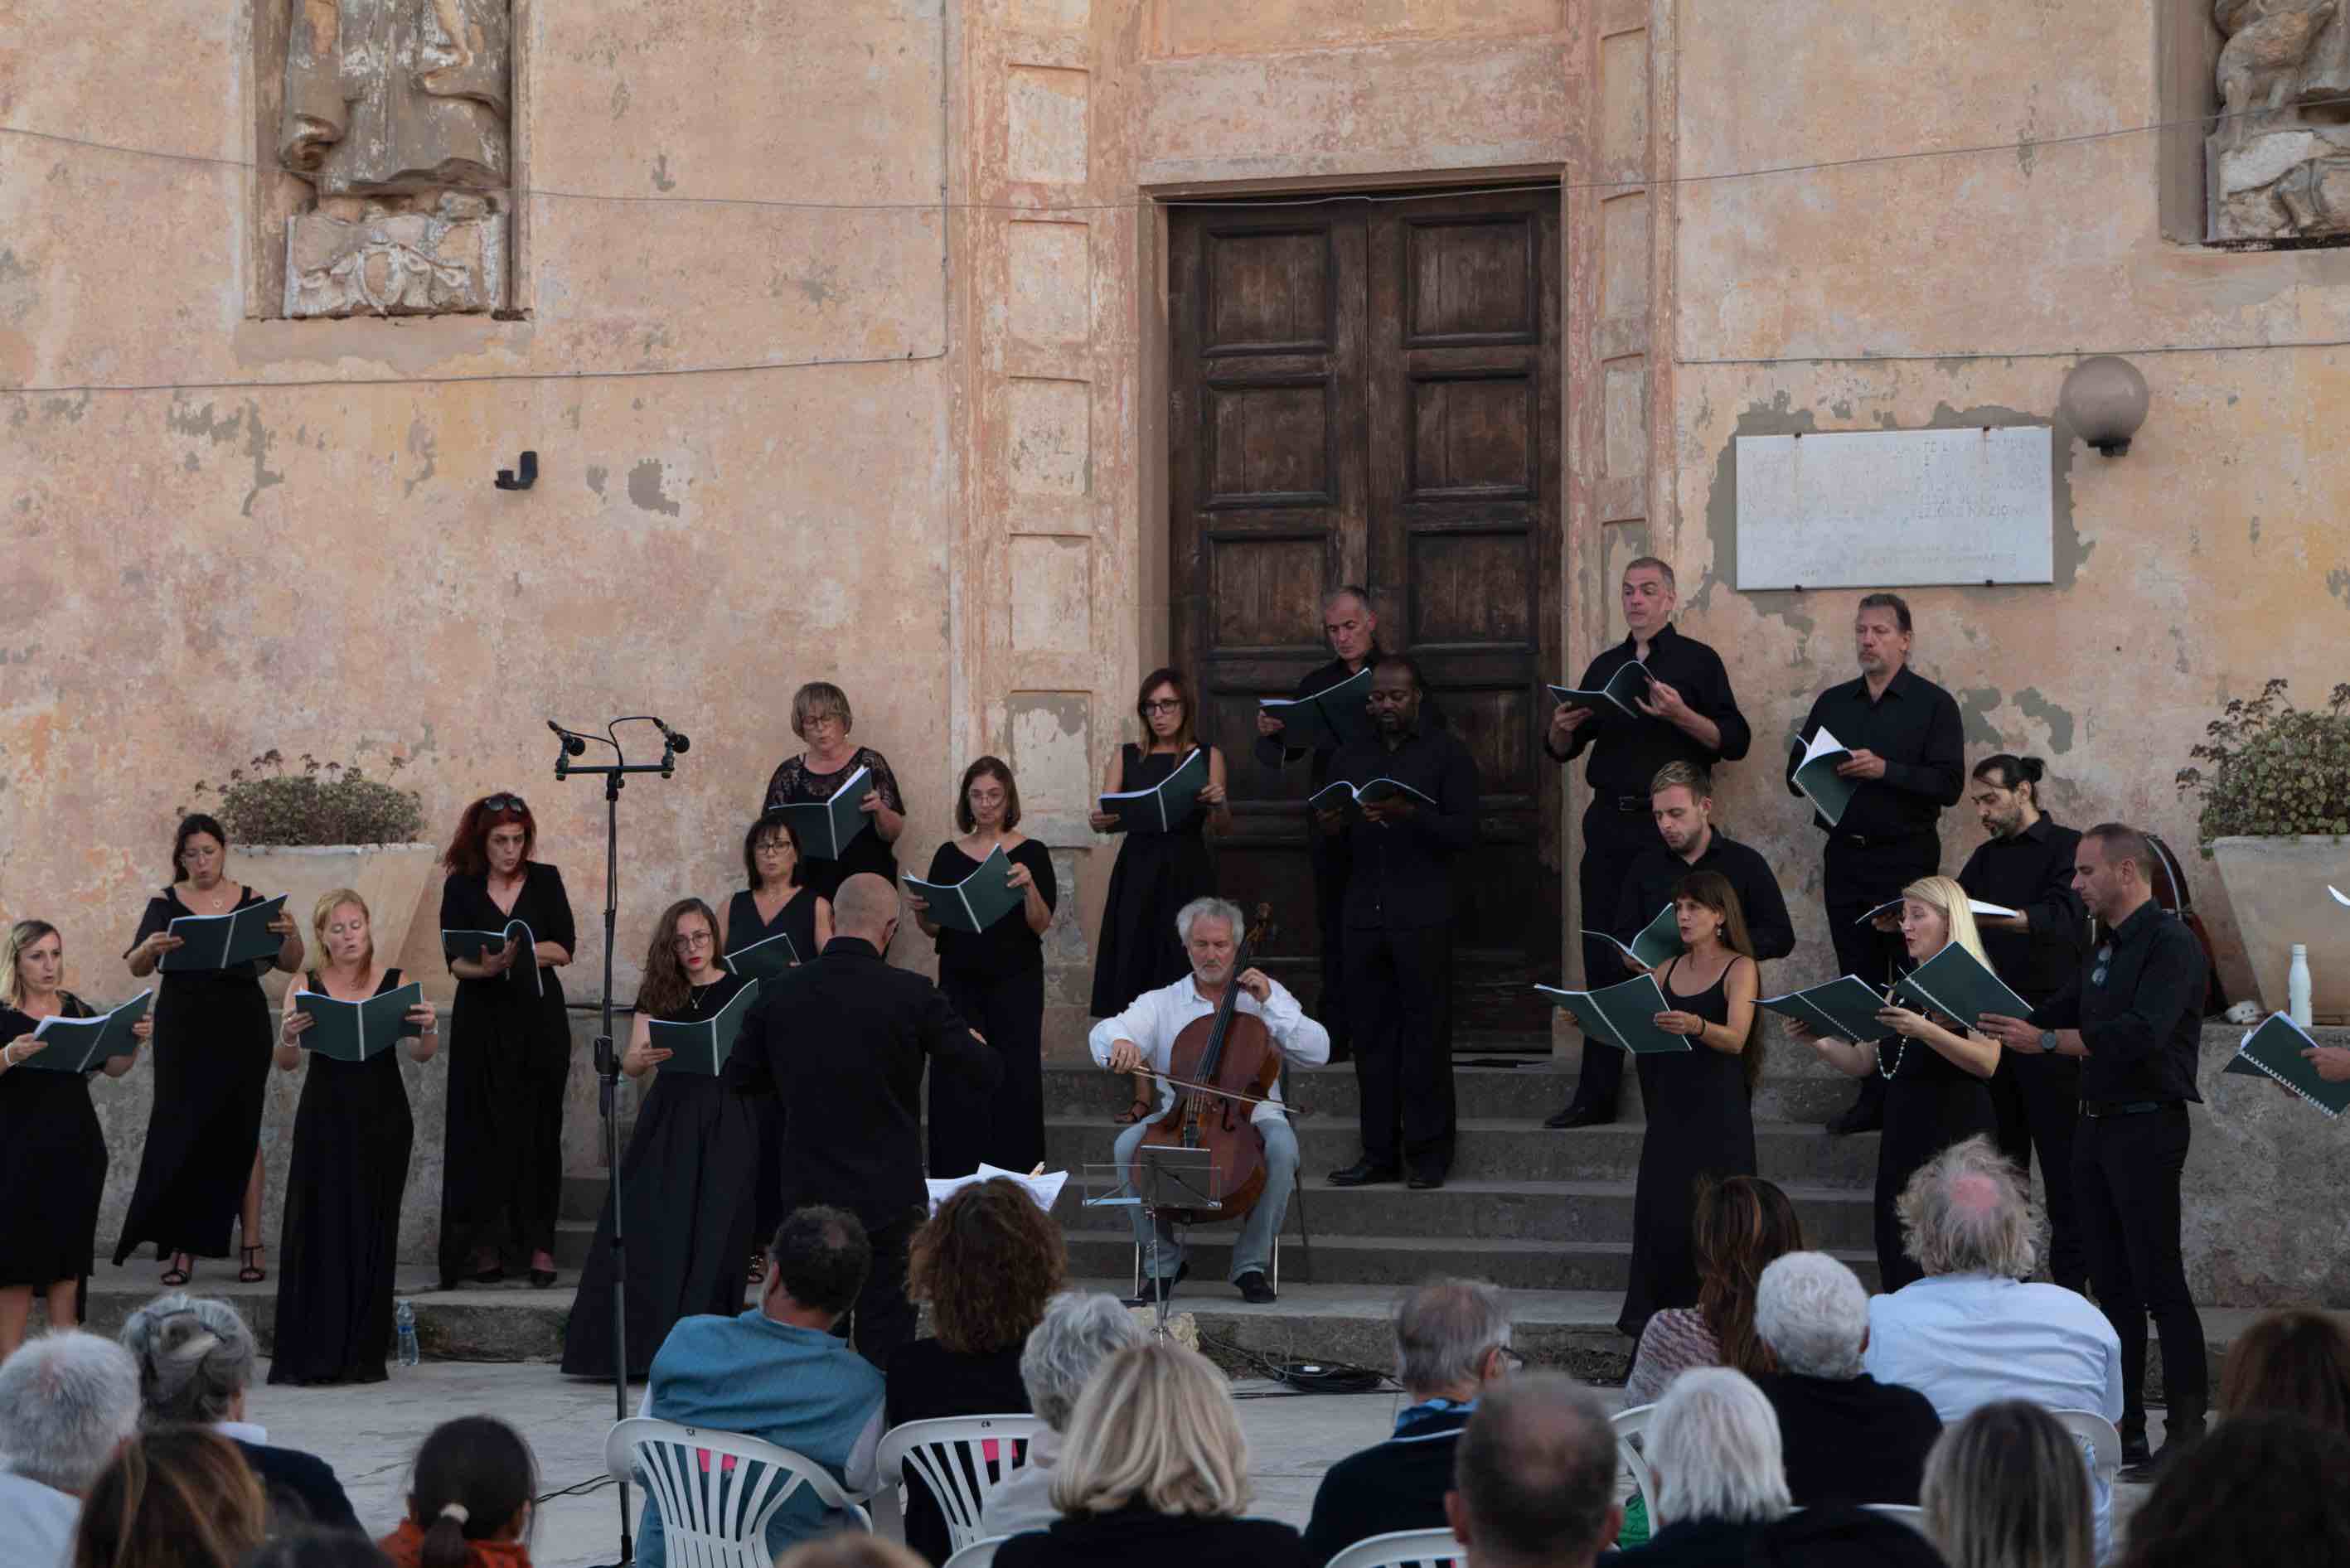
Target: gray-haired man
[1848,1438]
[68,1401]
[1535,1477]
[1143,1036]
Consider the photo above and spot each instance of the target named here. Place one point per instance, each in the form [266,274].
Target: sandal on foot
[176,1276]
[253,1274]
[1139,1111]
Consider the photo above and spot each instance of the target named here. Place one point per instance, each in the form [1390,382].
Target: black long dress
[212,1067]
[792,784]
[340,1242]
[685,1182]
[1930,1104]
[509,1054]
[50,1144]
[1156,874]
[995,979]
[796,920]
[1701,1126]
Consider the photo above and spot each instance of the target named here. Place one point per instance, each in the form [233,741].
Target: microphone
[573,746]
[676,737]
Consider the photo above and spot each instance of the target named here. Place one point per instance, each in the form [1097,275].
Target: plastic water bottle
[403,1320]
[2296,986]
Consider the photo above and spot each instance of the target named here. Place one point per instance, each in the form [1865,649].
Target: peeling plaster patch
[2058,720]
[69,409]
[619,99]
[2337,585]
[2178,645]
[820,284]
[420,444]
[1975,704]
[191,464]
[662,181]
[2253,533]
[645,489]
[597,474]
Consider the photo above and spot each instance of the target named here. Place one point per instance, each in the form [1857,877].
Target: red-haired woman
[509,1049]
[1156,873]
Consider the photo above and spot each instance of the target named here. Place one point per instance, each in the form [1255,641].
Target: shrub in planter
[323,803]
[2275,770]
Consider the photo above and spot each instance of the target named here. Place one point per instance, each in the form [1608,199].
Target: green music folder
[1845,1008]
[1659,940]
[1623,1015]
[224,941]
[826,827]
[1165,805]
[357,1030]
[79,1044]
[1956,984]
[2275,1051]
[475,946]
[1334,716]
[1624,691]
[1340,793]
[763,959]
[1816,775]
[703,1047]
[976,902]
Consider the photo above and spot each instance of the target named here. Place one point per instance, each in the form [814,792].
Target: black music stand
[1170,1180]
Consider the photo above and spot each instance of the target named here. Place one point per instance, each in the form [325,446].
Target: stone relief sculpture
[2278,167]
[397,115]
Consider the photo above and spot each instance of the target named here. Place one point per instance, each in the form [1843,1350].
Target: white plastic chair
[714,1514]
[978,1554]
[2097,1435]
[1428,1548]
[1908,1513]
[1629,1425]
[948,1458]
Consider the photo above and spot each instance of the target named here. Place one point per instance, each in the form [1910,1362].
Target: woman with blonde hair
[180,1498]
[1154,1474]
[2006,1488]
[1936,1069]
[821,718]
[339,1244]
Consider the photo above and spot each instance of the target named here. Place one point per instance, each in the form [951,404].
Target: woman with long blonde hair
[1936,1069]
[2006,1489]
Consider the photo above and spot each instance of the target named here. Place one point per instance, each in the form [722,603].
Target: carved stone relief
[2279,164]
[397,116]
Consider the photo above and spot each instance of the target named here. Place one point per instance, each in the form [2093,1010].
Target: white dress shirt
[1965,1339]
[1154,1019]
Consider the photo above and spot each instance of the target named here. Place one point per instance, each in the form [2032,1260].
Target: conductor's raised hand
[1565,720]
[1257,984]
[1266,724]
[1125,1055]
[2013,1033]
[1861,765]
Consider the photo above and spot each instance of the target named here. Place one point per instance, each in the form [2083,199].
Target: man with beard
[1680,798]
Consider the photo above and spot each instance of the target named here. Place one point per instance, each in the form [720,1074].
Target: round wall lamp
[2103,401]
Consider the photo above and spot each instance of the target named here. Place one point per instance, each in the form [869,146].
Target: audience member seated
[1154,1475]
[180,1497]
[777,1374]
[1974,1329]
[469,1500]
[1079,1332]
[195,1359]
[2002,1491]
[1716,1474]
[2258,1491]
[318,1549]
[849,1549]
[67,1400]
[985,1263]
[1740,1225]
[1848,1438]
[1534,1476]
[2291,1363]
[1452,1342]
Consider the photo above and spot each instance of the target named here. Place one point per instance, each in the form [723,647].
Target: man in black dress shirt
[1680,799]
[2026,864]
[2134,1020]
[1909,755]
[1689,715]
[843,1041]
[1400,927]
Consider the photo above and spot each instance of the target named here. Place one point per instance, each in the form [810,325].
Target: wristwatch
[2048,1042]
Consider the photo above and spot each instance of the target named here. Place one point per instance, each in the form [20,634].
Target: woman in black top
[985,1263]
[1936,1070]
[1156,873]
[1701,1120]
[687,1176]
[995,979]
[352,1133]
[50,1144]
[202,1161]
[820,716]
[509,1050]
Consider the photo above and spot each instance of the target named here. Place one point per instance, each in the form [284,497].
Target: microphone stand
[608,1059]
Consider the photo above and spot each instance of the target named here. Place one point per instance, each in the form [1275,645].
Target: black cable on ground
[1303,1376]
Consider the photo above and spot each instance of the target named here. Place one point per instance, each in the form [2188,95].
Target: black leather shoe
[1363,1173]
[1578,1117]
[1254,1288]
[1858,1118]
[1425,1180]
[2135,1450]
[1151,1289]
[542,1279]
[2177,1439]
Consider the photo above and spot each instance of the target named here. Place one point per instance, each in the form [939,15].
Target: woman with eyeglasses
[201,1163]
[687,1178]
[1156,872]
[509,1048]
[821,717]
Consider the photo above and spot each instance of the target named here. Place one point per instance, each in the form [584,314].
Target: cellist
[1140,1038]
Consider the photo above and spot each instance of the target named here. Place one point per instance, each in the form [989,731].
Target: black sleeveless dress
[50,1144]
[1931,1103]
[1156,874]
[994,980]
[340,1242]
[796,920]
[210,1050]
[1700,1128]
[686,1184]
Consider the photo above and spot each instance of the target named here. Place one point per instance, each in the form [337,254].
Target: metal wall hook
[528,472]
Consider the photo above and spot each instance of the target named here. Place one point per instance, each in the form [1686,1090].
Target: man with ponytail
[469,1503]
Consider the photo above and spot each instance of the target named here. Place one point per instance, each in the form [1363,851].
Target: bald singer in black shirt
[1689,715]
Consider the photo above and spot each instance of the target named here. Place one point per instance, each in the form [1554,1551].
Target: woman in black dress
[686,1178]
[1156,873]
[352,1135]
[202,1160]
[50,1144]
[995,981]
[1699,1102]
[820,716]
[777,902]
[1937,1072]
[509,1050]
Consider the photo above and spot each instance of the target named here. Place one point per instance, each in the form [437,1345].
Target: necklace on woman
[693,994]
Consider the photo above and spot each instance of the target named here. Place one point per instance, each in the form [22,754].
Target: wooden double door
[1368,392]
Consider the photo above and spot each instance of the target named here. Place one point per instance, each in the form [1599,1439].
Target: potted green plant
[2275,789]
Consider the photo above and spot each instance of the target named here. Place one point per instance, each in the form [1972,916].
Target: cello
[1220,1067]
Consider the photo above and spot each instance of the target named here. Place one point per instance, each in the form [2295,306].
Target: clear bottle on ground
[403,1322]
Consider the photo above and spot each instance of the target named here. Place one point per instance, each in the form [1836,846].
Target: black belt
[1863,840]
[2096,1110]
[1626,804]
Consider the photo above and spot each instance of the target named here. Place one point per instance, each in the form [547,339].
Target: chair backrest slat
[718,1492]
[949,1457]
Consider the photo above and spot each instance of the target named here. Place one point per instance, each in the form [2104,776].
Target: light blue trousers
[1253,1253]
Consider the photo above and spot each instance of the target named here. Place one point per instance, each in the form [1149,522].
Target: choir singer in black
[1689,714]
[1680,799]
[1400,927]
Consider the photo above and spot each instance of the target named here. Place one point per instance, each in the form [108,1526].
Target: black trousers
[1333,866]
[2037,1101]
[1400,983]
[967,1125]
[1612,840]
[1854,879]
[883,1319]
[2125,1173]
